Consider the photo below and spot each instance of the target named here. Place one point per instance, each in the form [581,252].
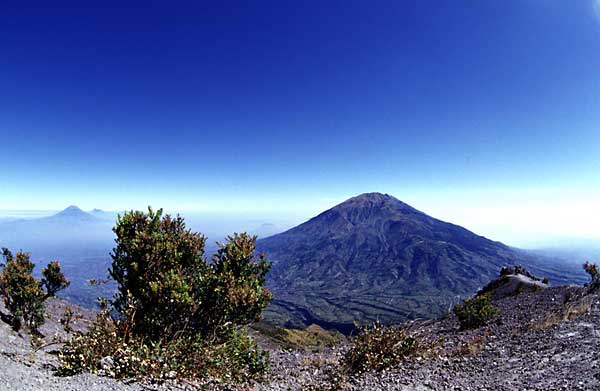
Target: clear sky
[485,113]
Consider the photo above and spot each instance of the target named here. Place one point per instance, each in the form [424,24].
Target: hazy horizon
[483,115]
[518,219]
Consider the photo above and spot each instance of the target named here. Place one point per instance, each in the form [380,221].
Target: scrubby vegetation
[375,348]
[312,337]
[23,294]
[109,349]
[175,314]
[53,279]
[476,312]
[379,347]
[592,270]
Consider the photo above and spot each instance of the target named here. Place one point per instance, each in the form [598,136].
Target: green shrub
[53,279]
[66,319]
[22,293]
[235,284]
[240,355]
[592,270]
[475,312]
[172,308]
[106,349]
[379,347]
[159,267]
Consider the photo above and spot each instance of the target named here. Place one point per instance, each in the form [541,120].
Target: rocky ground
[544,340]
[24,367]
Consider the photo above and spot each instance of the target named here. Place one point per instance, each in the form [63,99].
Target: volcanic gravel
[532,346]
[547,340]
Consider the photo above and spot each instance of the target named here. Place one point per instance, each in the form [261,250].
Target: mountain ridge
[73,212]
[53,235]
[374,257]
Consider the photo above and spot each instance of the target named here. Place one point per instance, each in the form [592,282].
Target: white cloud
[596,5]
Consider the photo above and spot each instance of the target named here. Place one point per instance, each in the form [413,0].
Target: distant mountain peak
[96,210]
[74,212]
[72,208]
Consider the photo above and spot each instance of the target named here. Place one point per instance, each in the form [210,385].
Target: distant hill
[72,225]
[104,215]
[81,241]
[265,230]
[72,214]
[374,257]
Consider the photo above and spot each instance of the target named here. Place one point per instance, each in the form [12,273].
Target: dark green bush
[53,279]
[159,269]
[22,293]
[379,347]
[235,284]
[174,308]
[475,312]
[592,270]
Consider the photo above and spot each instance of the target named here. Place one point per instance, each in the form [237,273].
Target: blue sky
[467,110]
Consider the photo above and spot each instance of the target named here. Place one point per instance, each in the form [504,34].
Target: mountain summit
[73,213]
[71,210]
[374,257]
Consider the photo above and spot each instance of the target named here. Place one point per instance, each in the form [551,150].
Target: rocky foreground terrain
[29,365]
[547,339]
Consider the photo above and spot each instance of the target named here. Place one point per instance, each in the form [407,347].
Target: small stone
[107,363]
[171,375]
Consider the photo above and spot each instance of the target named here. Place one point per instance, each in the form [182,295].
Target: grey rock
[107,363]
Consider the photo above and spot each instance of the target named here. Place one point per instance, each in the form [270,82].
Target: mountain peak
[372,199]
[371,205]
[72,209]
[372,246]
[74,212]
[374,196]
